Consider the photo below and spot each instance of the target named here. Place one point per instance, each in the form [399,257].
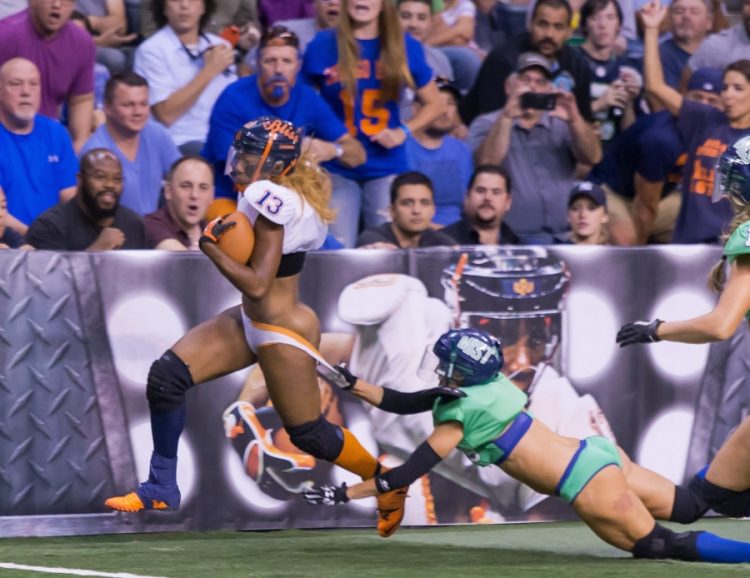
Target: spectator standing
[689,22]
[186,69]
[487,202]
[360,69]
[64,55]
[549,31]
[144,148]
[706,132]
[9,238]
[271,12]
[277,91]
[539,149]
[415,17]
[93,220]
[727,46]
[37,163]
[188,192]
[642,169]
[412,210]
[615,82]
[587,215]
[442,157]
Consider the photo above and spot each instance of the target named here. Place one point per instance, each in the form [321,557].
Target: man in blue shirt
[37,165]
[144,148]
[275,91]
[442,157]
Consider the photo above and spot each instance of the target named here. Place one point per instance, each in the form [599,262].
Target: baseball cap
[708,79]
[533,59]
[448,85]
[590,190]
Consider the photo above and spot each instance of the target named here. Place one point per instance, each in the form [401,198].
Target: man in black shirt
[412,209]
[548,33]
[93,220]
[486,203]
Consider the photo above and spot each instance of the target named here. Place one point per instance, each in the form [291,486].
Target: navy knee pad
[168,380]
[664,543]
[689,504]
[319,438]
[726,502]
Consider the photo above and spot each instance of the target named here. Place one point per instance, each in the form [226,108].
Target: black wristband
[419,463]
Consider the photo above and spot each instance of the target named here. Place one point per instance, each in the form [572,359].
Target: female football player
[726,483]
[616,498]
[286,200]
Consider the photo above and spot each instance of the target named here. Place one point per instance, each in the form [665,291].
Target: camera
[539,100]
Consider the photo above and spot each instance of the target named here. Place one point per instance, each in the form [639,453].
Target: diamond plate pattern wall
[53,451]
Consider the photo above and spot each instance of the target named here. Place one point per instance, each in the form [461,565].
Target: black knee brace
[664,543]
[726,502]
[689,504]
[319,438]
[168,380]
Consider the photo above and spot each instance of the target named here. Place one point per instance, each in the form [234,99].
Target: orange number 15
[375,116]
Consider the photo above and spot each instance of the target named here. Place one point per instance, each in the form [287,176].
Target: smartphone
[538,100]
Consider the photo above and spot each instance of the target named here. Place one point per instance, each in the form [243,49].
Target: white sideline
[74,571]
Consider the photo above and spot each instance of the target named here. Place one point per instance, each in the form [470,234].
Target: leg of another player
[730,468]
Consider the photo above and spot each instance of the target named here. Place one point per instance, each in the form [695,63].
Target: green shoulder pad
[739,243]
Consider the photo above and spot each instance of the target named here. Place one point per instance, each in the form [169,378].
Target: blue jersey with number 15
[370,114]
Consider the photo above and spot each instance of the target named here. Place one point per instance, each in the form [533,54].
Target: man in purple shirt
[64,54]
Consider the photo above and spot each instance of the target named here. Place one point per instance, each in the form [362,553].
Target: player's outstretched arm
[441,442]
[390,400]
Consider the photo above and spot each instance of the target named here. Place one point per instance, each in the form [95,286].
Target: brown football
[238,242]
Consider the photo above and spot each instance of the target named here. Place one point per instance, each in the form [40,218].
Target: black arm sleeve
[419,463]
[403,403]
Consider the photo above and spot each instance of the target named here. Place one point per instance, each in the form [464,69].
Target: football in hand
[238,242]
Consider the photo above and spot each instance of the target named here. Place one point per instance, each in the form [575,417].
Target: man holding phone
[538,137]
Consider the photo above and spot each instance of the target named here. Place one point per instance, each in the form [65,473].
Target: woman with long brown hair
[361,69]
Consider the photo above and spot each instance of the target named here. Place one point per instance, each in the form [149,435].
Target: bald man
[37,165]
[93,220]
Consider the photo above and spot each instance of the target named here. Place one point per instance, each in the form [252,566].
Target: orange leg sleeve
[355,458]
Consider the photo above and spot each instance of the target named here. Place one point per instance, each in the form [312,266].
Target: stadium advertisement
[79,331]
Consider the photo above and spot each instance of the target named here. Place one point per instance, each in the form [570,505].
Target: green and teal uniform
[738,244]
[494,420]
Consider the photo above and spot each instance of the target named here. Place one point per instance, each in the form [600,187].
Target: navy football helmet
[264,148]
[475,353]
[733,173]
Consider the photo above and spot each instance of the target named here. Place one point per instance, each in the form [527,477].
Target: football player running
[286,200]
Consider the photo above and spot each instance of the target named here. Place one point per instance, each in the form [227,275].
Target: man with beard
[549,30]
[37,164]
[721,49]
[275,91]
[326,16]
[442,157]
[487,202]
[93,220]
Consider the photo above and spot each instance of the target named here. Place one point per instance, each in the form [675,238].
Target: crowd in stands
[439,122]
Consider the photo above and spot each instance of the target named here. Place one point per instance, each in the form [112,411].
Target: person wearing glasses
[64,55]
[361,69]
[94,219]
[275,90]
[186,69]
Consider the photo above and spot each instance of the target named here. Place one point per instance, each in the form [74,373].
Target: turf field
[555,550]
